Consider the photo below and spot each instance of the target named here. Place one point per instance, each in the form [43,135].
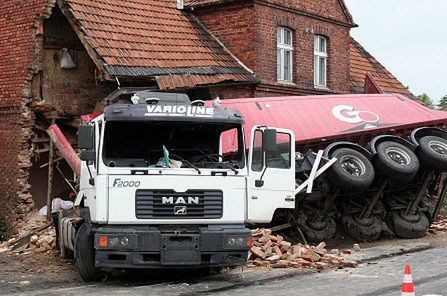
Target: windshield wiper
[213,160]
[187,162]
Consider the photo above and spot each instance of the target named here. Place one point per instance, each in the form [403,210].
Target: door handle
[254,197]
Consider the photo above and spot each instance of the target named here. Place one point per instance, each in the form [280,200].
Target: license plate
[180,249]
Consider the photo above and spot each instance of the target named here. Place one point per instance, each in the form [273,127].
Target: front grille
[168,204]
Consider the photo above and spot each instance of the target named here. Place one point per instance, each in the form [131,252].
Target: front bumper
[172,246]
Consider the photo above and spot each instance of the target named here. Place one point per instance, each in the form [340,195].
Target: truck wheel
[352,171]
[318,231]
[366,229]
[408,226]
[396,161]
[85,254]
[433,152]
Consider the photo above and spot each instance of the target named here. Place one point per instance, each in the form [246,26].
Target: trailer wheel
[366,229]
[433,152]
[408,226]
[318,231]
[396,161]
[352,171]
[85,254]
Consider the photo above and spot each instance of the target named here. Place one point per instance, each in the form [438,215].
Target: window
[285,54]
[257,162]
[280,159]
[320,67]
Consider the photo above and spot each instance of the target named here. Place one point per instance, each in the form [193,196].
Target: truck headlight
[235,242]
[115,241]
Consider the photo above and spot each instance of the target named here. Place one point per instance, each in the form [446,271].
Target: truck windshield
[173,145]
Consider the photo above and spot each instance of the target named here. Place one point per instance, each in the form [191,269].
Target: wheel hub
[353,165]
[410,218]
[438,147]
[365,221]
[398,155]
[316,224]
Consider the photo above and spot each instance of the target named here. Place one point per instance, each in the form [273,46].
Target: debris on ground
[37,235]
[439,225]
[273,251]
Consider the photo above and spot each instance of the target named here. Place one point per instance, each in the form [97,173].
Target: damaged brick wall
[73,91]
[20,23]
[32,41]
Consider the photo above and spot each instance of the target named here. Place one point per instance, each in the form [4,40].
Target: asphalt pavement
[380,273]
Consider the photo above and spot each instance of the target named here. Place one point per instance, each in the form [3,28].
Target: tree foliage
[426,100]
[443,103]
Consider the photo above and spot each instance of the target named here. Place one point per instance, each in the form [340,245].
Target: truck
[170,183]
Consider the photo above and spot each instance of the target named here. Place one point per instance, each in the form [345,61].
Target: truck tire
[85,254]
[432,152]
[352,171]
[367,229]
[396,161]
[407,226]
[319,233]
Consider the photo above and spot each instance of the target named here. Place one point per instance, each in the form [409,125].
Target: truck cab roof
[154,106]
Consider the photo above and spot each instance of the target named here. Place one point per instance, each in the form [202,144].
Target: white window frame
[285,48]
[320,56]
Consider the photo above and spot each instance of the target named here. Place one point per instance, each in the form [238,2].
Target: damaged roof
[140,38]
[362,62]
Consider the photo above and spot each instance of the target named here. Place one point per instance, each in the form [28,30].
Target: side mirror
[86,137]
[269,141]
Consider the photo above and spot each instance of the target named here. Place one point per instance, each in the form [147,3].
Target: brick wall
[20,22]
[234,25]
[249,30]
[73,91]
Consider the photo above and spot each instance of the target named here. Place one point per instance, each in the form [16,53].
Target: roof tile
[153,34]
[362,62]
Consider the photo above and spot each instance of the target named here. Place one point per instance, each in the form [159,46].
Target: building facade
[60,58]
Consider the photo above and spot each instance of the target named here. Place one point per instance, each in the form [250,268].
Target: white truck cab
[167,183]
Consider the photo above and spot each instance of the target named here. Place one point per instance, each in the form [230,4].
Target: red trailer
[319,120]
[391,152]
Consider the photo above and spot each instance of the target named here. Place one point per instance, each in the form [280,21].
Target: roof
[333,117]
[362,63]
[317,9]
[140,38]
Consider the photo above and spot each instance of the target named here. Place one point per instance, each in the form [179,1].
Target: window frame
[253,151]
[283,47]
[289,143]
[319,56]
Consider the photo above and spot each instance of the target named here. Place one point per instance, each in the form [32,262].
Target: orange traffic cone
[408,286]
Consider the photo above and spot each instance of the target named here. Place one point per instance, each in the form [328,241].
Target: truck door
[271,178]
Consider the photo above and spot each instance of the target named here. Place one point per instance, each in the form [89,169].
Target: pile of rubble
[439,225]
[273,251]
[37,235]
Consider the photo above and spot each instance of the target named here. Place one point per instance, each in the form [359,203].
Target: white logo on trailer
[348,114]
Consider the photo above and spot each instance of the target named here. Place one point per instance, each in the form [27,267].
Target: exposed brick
[249,30]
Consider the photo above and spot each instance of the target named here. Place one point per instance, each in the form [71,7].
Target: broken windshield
[172,145]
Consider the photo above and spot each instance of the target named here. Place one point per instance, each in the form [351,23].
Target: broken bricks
[273,251]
